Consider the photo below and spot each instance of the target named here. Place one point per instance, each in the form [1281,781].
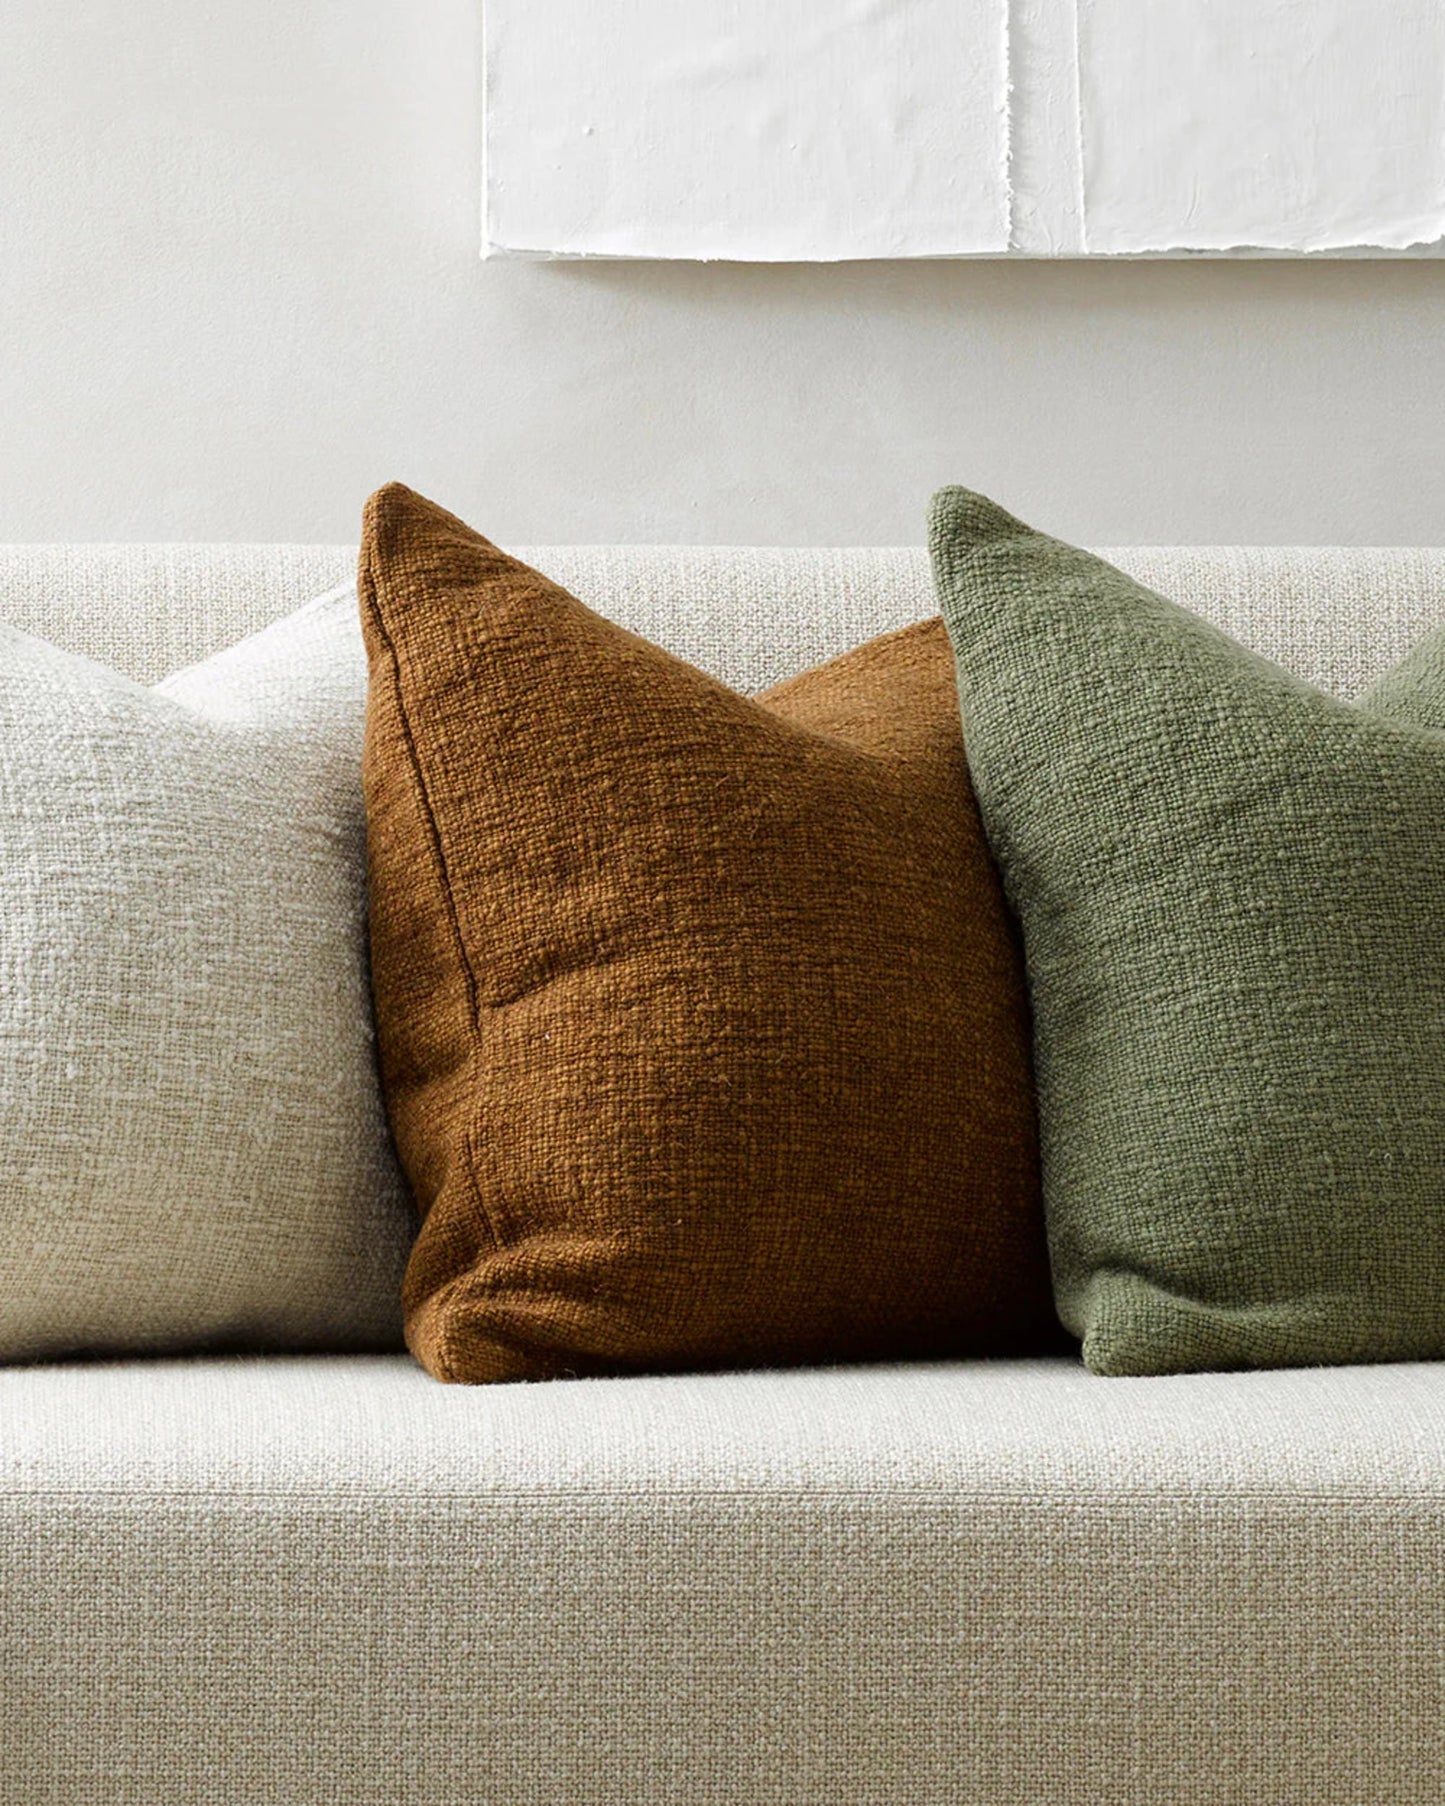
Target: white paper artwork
[816,130]
[750,129]
[1314,126]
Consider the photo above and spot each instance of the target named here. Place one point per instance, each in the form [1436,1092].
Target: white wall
[239,287]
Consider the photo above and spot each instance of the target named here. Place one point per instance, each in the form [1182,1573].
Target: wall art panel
[748,129]
[816,130]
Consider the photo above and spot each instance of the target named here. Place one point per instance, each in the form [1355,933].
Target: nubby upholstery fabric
[701,1022]
[332,1582]
[752,616]
[192,1144]
[1231,887]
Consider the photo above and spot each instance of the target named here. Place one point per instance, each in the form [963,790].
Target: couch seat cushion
[331,1580]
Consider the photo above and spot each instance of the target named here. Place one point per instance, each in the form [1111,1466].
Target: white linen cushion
[332,1582]
[192,1145]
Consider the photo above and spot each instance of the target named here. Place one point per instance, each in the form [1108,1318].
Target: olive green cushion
[1231,888]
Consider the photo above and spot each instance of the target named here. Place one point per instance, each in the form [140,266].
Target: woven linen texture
[1230,885]
[330,1582]
[192,1144]
[1339,616]
[701,1023]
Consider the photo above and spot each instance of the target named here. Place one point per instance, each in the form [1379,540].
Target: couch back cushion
[750,615]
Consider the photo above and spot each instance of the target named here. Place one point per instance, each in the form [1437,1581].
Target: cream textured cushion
[192,1148]
[332,1582]
[1337,616]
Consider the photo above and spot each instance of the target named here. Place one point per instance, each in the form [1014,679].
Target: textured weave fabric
[701,1022]
[1230,886]
[192,1147]
[330,1582]
[752,616]
[334,1583]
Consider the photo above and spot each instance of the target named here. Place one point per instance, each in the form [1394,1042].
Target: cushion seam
[371,593]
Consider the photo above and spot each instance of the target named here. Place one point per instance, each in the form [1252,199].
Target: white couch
[320,1581]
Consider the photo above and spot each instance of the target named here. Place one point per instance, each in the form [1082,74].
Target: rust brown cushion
[702,1028]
